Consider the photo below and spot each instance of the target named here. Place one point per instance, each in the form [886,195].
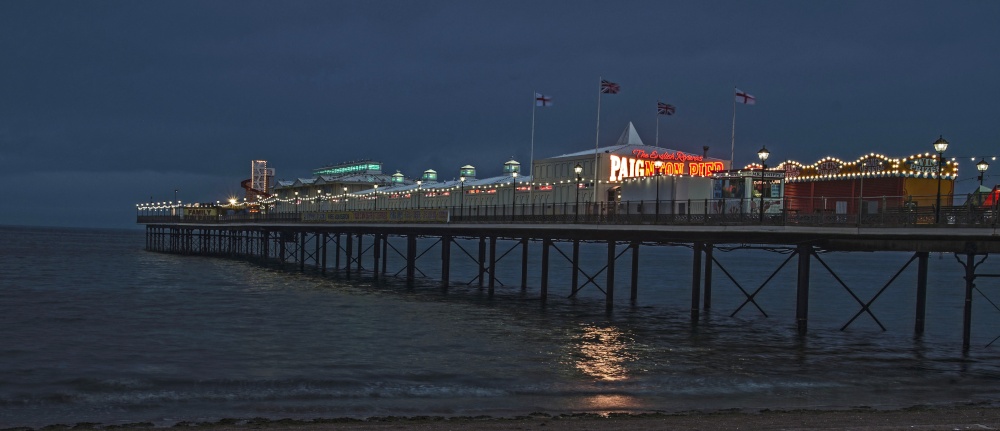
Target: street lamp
[762,154]
[461,198]
[982,166]
[376,196]
[658,164]
[296,202]
[418,193]
[345,198]
[576,209]
[513,194]
[940,146]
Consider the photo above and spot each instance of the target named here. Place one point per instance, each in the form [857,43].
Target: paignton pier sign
[644,164]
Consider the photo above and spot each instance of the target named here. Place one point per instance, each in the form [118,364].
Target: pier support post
[524,263]
[634,294]
[302,251]
[482,259]
[493,264]
[970,283]
[336,252]
[376,253]
[575,279]
[544,286]
[348,253]
[385,252]
[610,294]
[317,238]
[707,295]
[918,324]
[802,292]
[265,245]
[411,257]
[445,260]
[324,239]
[696,282]
[360,252]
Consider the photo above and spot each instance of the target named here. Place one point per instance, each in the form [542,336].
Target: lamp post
[345,198]
[576,209]
[762,154]
[296,202]
[658,164]
[461,197]
[982,166]
[376,196]
[418,193]
[513,194]
[940,146]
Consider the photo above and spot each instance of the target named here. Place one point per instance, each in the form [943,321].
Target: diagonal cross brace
[751,296]
[415,259]
[591,280]
[866,307]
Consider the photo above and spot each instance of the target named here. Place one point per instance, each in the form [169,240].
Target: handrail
[881,211]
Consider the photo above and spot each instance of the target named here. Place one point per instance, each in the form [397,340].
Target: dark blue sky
[106,103]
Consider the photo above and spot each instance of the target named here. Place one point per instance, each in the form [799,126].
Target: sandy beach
[973,417]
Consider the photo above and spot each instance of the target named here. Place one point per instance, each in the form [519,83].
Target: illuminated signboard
[349,169]
[676,163]
[924,164]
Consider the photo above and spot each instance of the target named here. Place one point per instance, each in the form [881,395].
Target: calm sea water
[94,329]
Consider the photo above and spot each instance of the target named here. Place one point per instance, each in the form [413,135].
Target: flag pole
[657,124]
[531,161]
[597,140]
[732,148]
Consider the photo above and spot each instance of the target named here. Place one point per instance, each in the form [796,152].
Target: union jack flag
[609,87]
[664,109]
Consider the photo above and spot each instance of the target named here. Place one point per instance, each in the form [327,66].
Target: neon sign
[677,163]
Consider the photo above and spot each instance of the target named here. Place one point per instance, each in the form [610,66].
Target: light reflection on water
[603,353]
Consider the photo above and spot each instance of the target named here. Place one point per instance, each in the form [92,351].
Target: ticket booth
[744,191]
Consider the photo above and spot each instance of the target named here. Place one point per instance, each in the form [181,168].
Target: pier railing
[880,211]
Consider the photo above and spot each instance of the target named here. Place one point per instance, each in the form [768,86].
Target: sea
[95,329]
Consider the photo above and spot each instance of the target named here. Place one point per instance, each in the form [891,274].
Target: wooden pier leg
[336,252]
[302,251]
[360,252]
[376,252]
[317,238]
[324,239]
[634,294]
[610,287]
[696,282]
[707,295]
[493,264]
[348,253]
[918,325]
[282,246]
[445,260]
[482,259]
[524,263]
[265,246]
[575,278]
[385,252]
[802,292]
[411,257]
[544,287]
[970,279]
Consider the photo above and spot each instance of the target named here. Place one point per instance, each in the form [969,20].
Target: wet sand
[973,417]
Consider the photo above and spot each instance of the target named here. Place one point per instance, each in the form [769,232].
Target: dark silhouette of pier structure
[343,247]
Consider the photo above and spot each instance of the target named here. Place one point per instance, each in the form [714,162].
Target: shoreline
[957,417]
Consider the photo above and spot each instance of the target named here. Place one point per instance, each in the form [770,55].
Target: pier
[307,241]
